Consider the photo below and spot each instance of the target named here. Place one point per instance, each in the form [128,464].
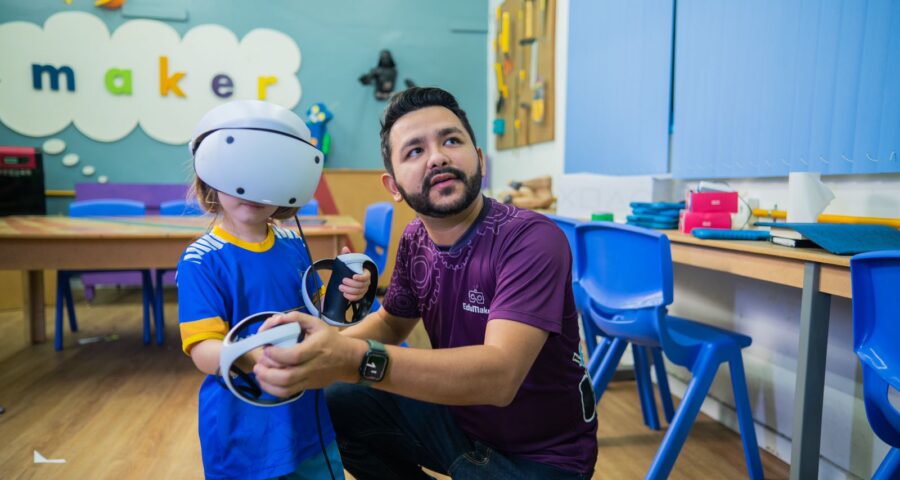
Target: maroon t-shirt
[515,265]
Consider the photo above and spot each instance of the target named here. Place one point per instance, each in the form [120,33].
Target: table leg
[815,308]
[33,306]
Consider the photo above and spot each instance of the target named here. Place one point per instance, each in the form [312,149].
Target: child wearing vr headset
[254,164]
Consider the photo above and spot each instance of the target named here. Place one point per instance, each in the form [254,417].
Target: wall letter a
[118,81]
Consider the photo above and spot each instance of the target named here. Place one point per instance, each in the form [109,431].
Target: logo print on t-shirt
[475,297]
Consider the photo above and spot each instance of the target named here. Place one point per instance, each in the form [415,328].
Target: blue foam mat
[845,239]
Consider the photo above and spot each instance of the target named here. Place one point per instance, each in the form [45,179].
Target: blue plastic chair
[93,208]
[182,208]
[311,209]
[598,351]
[377,232]
[626,274]
[174,208]
[876,328]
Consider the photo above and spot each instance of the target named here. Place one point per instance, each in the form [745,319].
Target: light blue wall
[433,43]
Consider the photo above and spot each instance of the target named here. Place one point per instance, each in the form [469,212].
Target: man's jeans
[385,436]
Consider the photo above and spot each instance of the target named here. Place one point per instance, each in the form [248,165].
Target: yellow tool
[537,110]
[501,86]
[827,218]
[504,34]
[529,18]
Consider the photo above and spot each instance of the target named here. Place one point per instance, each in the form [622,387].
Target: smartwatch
[374,364]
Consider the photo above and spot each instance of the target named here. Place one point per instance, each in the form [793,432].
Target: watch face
[374,366]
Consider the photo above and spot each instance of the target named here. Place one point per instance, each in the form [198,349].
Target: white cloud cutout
[83,42]
[54,146]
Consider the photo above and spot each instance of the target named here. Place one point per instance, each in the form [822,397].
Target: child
[259,154]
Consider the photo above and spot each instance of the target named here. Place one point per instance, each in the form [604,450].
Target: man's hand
[355,288]
[322,358]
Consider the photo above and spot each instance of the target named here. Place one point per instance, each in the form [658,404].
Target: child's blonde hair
[208,198]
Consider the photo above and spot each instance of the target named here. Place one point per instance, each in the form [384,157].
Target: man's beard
[422,204]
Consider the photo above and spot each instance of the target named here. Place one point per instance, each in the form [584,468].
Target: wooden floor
[121,410]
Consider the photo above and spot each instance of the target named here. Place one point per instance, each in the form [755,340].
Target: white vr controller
[234,347]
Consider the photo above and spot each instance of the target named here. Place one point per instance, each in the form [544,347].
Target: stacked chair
[876,328]
[597,352]
[625,273]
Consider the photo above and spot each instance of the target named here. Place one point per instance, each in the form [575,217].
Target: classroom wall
[769,313]
[354,190]
[433,43]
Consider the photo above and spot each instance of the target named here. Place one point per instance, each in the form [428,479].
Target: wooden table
[820,275]
[36,243]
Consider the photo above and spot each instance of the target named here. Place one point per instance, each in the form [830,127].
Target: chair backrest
[151,194]
[377,232]
[875,277]
[311,209]
[180,208]
[568,225]
[108,207]
[626,275]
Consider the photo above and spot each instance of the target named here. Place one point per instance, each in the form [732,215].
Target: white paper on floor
[38,458]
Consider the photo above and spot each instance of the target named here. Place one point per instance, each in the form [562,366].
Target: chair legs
[745,416]
[890,467]
[662,379]
[590,334]
[60,299]
[642,375]
[598,353]
[159,314]
[704,371]
[608,364]
[65,300]
[645,386]
[147,288]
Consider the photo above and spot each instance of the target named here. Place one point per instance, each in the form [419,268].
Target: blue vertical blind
[618,84]
[770,86]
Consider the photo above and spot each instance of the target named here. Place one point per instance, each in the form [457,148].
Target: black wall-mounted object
[383,76]
[22,181]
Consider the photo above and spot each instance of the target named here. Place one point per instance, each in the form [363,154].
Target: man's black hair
[413,99]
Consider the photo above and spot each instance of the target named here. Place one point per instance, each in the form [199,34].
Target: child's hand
[355,288]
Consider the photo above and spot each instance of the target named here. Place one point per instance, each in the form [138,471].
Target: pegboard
[524,72]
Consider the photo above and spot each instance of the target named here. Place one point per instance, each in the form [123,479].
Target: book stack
[789,237]
[656,215]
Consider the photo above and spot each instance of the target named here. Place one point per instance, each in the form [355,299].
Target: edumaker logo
[476,297]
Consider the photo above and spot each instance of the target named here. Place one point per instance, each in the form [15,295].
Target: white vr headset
[257,151]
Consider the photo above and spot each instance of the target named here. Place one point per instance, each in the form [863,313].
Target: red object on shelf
[691,220]
[21,181]
[707,202]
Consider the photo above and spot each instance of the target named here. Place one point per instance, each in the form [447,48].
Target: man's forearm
[474,375]
[376,327]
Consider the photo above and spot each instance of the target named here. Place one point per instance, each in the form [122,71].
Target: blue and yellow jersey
[221,280]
